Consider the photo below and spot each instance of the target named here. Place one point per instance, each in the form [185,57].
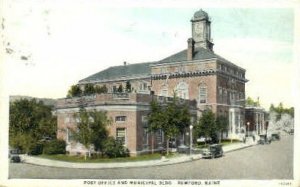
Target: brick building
[196,74]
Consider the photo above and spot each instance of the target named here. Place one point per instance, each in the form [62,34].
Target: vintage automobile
[15,159]
[263,139]
[275,136]
[213,151]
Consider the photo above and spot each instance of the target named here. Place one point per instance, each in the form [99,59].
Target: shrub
[114,148]
[36,149]
[55,147]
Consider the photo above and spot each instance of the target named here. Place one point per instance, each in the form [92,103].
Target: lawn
[69,158]
[223,142]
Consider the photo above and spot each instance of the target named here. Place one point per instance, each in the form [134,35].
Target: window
[143,86]
[145,138]
[182,90]
[220,95]
[203,94]
[121,135]
[181,68]
[225,97]
[160,99]
[159,136]
[120,118]
[164,91]
[163,70]
[145,121]
[70,136]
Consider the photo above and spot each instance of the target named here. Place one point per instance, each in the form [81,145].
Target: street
[273,161]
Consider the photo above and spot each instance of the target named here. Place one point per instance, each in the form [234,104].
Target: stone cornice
[183,74]
[195,74]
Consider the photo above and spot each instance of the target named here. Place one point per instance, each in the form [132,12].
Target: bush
[55,147]
[36,149]
[114,148]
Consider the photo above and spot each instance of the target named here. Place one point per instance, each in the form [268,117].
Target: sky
[49,45]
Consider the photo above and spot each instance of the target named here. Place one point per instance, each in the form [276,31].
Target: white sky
[66,41]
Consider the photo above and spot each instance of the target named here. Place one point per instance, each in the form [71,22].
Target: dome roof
[200,14]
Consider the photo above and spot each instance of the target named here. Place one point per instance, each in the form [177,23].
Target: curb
[239,148]
[162,162]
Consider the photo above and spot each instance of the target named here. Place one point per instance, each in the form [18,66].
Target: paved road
[274,161]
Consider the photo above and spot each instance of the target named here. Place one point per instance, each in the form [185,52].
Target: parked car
[213,151]
[263,139]
[15,159]
[275,136]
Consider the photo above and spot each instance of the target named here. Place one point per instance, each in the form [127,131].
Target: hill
[46,101]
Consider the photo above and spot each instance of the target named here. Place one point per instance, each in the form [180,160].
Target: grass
[223,142]
[69,158]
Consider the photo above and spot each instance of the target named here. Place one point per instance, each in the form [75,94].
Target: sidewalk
[160,162]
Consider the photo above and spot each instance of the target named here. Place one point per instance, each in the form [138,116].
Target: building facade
[256,120]
[196,74]
[128,113]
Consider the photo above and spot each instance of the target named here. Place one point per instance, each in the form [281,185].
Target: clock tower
[201,30]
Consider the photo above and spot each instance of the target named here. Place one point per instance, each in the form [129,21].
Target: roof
[139,70]
[117,72]
[200,14]
[199,54]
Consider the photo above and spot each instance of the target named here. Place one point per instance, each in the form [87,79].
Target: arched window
[202,93]
[164,91]
[182,90]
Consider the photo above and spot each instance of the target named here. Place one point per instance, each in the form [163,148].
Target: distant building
[195,73]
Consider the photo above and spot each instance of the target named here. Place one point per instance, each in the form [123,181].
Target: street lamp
[191,138]
[248,123]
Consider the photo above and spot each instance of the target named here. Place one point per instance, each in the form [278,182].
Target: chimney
[190,49]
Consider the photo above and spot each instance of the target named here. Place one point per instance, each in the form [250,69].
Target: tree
[280,110]
[120,89]
[91,129]
[206,126]
[171,122]
[251,102]
[221,125]
[114,148]
[104,89]
[89,89]
[184,119]
[74,91]
[29,122]
[100,89]
[99,128]
[128,87]
[171,118]
[155,119]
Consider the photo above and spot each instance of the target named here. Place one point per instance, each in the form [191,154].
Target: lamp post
[248,123]
[191,138]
